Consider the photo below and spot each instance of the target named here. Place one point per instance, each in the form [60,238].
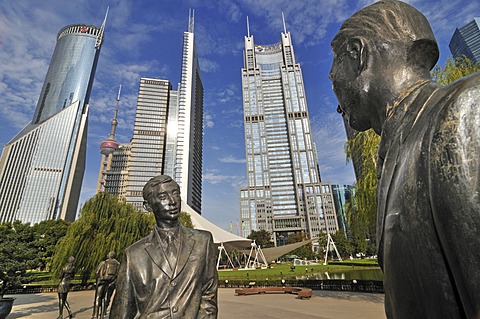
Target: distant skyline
[144,39]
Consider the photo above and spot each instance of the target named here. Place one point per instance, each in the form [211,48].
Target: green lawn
[275,273]
[283,271]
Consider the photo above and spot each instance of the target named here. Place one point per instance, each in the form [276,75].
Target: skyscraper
[188,125]
[285,194]
[466,41]
[149,136]
[41,168]
[167,138]
[341,194]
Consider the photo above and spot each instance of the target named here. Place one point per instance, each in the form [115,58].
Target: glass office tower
[466,41]
[285,194]
[341,194]
[149,135]
[189,133]
[167,139]
[41,169]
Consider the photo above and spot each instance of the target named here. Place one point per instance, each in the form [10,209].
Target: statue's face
[165,201]
[350,87]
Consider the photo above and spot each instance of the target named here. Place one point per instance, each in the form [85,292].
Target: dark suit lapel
[187,242]
[157,254]
[383,190]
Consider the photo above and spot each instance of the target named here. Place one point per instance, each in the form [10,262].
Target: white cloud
[307,20]
[232,159]
[208,120]
[212,177]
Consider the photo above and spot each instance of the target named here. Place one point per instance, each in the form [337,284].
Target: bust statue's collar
[402,116]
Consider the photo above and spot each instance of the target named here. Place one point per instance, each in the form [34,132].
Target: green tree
[343,245]
[17,255]
[106,224]
[186,220]
[362,208]
[46,235]
[454,69]
[305,251]
[262,238]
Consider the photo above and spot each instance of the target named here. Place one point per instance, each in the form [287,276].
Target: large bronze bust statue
[428,190]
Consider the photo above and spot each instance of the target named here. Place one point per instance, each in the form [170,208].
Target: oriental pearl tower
[107,147]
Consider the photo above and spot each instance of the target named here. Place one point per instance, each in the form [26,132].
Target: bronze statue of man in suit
[428,194]
[172,272]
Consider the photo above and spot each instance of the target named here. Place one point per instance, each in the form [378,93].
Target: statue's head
[162,197]
[111,255]
[370,47]
[71,260]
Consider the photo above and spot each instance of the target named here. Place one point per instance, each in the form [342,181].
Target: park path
[323,304]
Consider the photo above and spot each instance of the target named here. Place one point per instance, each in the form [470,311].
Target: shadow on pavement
[339,295]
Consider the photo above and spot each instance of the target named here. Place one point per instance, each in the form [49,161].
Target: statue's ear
[423,53]
[358,51]
[147,206]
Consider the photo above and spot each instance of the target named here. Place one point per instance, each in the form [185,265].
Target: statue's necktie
[171,251]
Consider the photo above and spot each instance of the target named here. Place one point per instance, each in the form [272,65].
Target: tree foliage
[24,247]
[17,255]
[302,252]
[47,233]
[106,224]
[362,208]
[262,238]
[186,220]
[454,69]
[343,245]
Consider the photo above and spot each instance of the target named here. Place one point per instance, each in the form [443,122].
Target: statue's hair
[394,23]
[150,185]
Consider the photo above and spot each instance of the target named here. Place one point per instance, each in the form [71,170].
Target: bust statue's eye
[162,196]
[176,193]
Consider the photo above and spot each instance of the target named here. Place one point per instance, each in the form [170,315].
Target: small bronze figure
[105,276]
[428,190]
[172,272]
[68,272]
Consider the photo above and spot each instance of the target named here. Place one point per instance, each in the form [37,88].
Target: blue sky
[143,38]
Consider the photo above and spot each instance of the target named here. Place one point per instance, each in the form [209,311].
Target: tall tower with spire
[285,194]
[107,147]
[42,167]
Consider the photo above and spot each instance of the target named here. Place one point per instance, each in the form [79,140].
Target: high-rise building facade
[42,167]
[466,41]
[167,138]
[285,194]
[189,131]
[149,135]
[341,195]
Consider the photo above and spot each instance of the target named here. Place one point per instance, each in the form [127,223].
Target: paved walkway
[323,304]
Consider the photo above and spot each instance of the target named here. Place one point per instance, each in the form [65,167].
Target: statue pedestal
[6,305]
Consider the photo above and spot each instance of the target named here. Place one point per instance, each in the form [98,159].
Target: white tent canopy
[230,241]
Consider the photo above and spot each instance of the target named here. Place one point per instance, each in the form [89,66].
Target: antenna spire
[248,28]
[284,25]
[102,29]
[114,120]
[191,20]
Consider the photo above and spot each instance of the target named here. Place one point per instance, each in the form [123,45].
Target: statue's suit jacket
[148,288]
[428,227]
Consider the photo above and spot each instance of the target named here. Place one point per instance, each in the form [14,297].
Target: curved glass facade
[41,169]
[69,75]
